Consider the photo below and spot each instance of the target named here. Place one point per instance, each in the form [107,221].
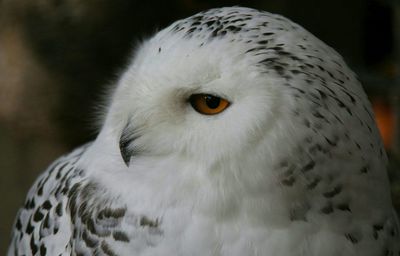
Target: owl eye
[207,104]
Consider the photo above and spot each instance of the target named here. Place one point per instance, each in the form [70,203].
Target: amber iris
[208,104]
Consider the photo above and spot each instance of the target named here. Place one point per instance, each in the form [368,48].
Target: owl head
[254,97]
[232,82]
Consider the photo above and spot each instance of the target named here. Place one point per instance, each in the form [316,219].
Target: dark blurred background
[58,57]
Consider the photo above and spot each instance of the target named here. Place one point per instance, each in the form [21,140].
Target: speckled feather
[294,166]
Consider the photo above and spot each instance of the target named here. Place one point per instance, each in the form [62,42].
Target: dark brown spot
[38,216]
[120,236]
[144,221]
[351,238]
[308,166]
[344,207]
[59,209]
[106,249]
[34,247]
[328,209]
[89,241]
[46,205]
[43,250]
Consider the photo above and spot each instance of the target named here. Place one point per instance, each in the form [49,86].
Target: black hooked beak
[125,144]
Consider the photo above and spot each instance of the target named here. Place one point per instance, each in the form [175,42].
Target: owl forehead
[219,39]
[230,36]
[232,24]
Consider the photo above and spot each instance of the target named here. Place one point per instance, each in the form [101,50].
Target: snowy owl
[234,132]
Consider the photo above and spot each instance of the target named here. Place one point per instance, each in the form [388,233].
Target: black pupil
[212,102]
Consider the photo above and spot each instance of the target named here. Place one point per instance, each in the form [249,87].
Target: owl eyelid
[208,94]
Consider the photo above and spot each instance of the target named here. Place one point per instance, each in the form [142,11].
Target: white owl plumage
[293,166]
